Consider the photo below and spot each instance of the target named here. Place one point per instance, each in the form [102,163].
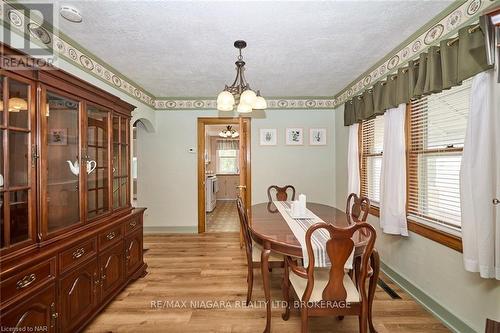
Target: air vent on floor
[388,290]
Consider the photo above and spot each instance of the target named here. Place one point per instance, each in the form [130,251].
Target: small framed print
[268,136]
[294,136]
[317,136]
[58,137]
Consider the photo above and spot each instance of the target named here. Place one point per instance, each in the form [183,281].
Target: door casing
[202,122]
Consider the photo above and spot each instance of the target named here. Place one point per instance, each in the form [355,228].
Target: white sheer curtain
[393,173]
[480,179]
[353,185]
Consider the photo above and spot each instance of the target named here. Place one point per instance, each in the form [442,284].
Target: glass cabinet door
[121,191]
[61,163]
[97,161]
[17,164]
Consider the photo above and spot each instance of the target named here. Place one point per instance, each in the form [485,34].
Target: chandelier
[239,92]
[229,132]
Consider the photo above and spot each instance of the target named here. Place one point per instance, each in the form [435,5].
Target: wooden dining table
[271,231]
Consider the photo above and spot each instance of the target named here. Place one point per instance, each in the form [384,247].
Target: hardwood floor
[198,269]
[224,218]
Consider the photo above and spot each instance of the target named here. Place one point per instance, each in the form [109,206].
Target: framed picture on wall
[317,136]
[294,136]
[58,137]
[268,136]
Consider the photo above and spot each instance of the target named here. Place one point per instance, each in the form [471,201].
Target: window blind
[436,137]
[372,139]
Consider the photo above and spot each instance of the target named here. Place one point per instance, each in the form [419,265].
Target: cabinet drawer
[132,225]
[110,237]
[27,280]
[76,254]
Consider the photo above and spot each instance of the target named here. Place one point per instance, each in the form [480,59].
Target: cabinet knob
[496,201]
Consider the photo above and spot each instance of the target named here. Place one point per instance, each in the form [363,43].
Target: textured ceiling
[185,49]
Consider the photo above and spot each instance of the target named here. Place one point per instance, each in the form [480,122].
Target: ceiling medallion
[239,93]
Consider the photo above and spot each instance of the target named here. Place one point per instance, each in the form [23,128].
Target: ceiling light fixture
[71,14]
[239,92]
[229,132]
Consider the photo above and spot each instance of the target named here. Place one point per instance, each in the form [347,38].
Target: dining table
[269,229]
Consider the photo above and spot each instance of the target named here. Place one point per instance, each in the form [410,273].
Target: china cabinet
[69,239]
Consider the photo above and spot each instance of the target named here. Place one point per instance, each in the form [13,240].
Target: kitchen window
[227,156]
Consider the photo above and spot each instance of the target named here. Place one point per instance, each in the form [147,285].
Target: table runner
[318,240]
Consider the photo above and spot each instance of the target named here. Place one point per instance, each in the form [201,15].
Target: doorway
[223,172]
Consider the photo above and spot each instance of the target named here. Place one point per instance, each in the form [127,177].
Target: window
[437,128]
[372,139]
[227,161]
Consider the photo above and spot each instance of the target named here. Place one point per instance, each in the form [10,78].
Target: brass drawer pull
[25,281]
[78,253]
[111,235]
[133,223]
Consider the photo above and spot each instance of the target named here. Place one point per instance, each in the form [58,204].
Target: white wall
[431,267]
[167,172]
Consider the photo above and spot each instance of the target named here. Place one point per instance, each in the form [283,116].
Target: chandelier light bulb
[248,97]
[244,108]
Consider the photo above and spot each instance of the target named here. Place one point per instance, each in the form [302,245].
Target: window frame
[414,225]
[218,159]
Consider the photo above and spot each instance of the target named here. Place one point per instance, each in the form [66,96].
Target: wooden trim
[441,237]
[201,123]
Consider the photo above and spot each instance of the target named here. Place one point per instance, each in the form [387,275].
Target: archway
[139,127]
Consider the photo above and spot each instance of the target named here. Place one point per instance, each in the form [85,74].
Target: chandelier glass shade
[229,132]
[239,93]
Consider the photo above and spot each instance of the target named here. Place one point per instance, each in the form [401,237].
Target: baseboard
[171,230]
[448,318]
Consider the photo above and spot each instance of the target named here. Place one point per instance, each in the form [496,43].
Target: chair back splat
[280,192]
[359,209]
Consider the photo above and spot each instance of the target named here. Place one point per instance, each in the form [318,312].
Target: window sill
[452,241]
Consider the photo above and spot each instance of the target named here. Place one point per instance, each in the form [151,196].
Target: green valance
[440,68]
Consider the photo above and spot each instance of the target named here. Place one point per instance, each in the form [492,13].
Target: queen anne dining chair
[357,209]
[331,291]
[280,192]
[360,205]
[253,250]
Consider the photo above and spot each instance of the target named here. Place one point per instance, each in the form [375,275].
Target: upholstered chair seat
[321,277]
